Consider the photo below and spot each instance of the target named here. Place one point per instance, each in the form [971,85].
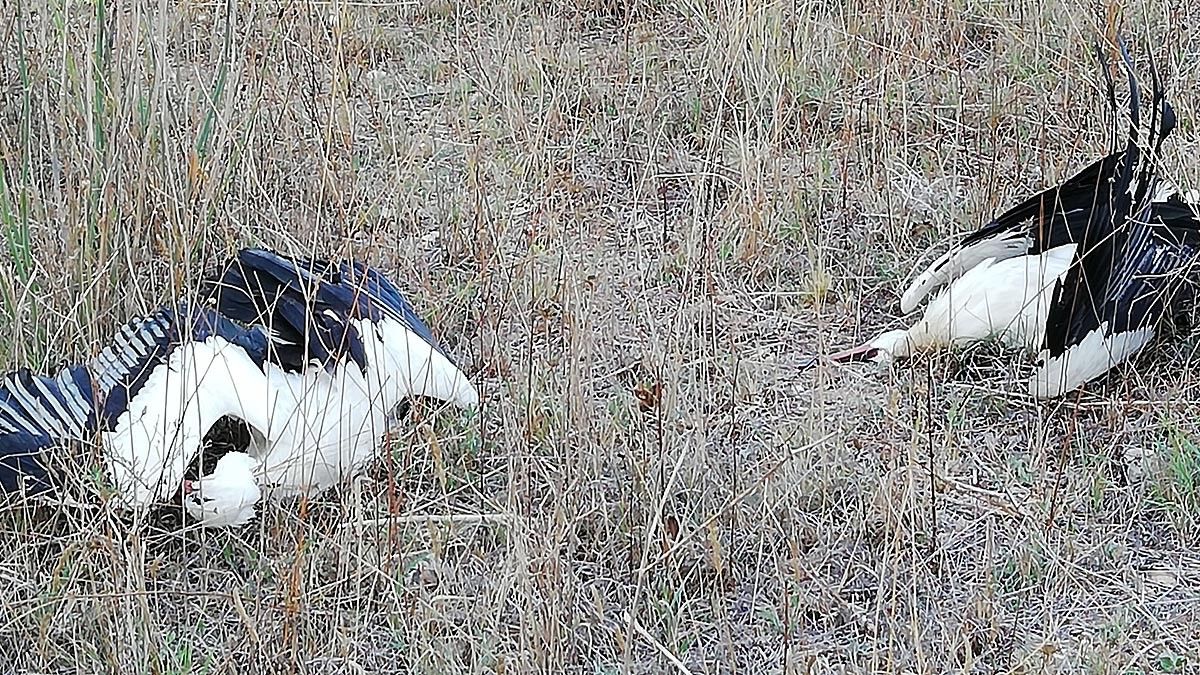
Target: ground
[631,223]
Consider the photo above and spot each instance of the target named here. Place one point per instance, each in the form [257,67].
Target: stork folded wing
[307,306]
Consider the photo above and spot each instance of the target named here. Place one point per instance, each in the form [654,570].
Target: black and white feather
[136,412]
[1058,216]
[1135,269]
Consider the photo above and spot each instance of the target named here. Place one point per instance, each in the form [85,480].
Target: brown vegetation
[631,221]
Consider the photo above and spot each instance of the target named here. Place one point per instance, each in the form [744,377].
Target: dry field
[631,223]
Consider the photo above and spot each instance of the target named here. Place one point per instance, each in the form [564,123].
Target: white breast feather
[1006,299]
[160,431]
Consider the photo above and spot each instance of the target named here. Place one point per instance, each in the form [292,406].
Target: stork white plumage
[346,351]
[1005,299]
[1082,274]
[145,401]
[316,372]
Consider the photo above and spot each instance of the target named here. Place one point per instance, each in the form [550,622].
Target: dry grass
[631,221]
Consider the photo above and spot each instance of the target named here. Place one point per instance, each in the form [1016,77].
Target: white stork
[1082,273]
[315,379]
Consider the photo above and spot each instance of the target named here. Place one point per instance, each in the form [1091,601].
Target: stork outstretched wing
[325,312]
[139,400]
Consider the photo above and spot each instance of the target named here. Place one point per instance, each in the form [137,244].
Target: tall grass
[14,202]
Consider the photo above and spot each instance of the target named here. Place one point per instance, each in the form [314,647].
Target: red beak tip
[861,353]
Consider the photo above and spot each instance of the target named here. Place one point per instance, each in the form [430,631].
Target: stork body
[346,352]
[316,364]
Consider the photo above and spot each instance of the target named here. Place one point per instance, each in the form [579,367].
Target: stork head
[894,344]
[227,496]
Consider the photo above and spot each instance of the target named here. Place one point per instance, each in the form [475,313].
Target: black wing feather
[306,305]
[43,416]
[1129,264]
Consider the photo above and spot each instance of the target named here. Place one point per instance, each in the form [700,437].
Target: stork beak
[863,352]
[189,486]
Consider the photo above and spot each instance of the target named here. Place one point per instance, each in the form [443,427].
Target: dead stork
[315,358]
[1082,274]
